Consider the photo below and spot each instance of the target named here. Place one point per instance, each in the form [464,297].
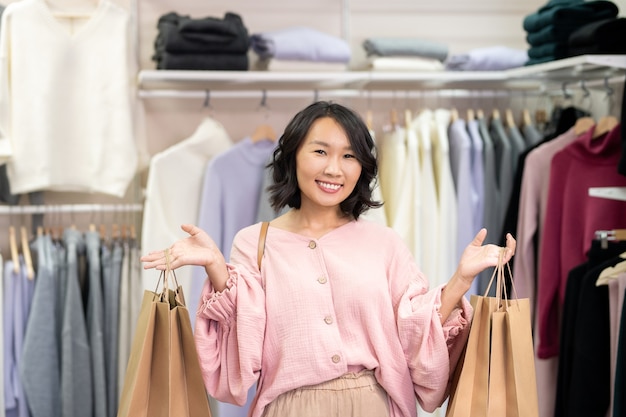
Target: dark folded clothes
[208,62]
[617,48]
[559,32]
[570,13]
[5,188]
[608,36]
[557,50]
[552,3]
[182,34]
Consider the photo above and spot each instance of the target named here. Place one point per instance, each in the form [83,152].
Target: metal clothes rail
[70,208]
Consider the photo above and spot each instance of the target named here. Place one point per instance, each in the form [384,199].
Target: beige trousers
[351,395]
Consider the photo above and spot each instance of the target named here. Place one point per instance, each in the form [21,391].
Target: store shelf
[575,68]
[586,67]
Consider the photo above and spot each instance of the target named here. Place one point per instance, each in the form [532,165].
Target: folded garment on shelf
[543,60]
[569,13]
[555,50]
[212,62]
[300,44]
[287,65]
[603,37]
[183,34]
[492,58]
[559,32]
[403,63]
[383,46]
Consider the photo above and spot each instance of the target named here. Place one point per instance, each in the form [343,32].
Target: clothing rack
[70,208]
[343,93]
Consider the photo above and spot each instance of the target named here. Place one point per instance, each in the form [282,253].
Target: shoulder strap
[261,248]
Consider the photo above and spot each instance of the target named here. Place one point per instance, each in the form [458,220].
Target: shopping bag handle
[165,276]
[499,275]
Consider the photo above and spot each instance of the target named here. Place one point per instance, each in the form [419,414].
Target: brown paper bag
[163,376]
[497,400]
[188,396]
[495,376]
[470,383]
[522,378]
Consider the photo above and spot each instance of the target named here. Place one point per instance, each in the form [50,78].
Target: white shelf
[586,67]
[575,68]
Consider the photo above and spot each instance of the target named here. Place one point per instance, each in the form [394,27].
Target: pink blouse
[353,299]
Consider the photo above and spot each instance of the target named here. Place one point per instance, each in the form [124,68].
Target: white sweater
[66,119]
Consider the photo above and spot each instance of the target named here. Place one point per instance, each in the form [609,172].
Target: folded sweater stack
[549,29]
[602,37]
[209,43]
[405,54]
[299,48]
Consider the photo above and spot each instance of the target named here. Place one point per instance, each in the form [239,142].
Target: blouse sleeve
[230,327]
[431,349]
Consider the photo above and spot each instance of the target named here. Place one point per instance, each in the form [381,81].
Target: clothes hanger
[612,272]
[604,236]
[115,231]
[13,247]
[393,117]
[510,120]
[28,260]
[526,119]
[103,232]
[263,131]
[408,118]
[454,115]
[583,124]
[606,123]
[470,115]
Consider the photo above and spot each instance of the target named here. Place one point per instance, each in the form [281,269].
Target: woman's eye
[321,152]
[349,156]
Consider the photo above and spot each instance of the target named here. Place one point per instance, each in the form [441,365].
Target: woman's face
[326,166]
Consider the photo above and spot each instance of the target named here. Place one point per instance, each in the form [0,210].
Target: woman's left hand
[477,257]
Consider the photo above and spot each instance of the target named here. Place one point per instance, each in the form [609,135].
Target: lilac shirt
[352,299]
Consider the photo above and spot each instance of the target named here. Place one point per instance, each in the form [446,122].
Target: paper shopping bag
[188,396]
[146,384]
[163,377]
[496,376]
[470,383]
[522,399]
[498,365]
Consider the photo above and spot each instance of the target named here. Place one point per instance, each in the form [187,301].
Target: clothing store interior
[503,114]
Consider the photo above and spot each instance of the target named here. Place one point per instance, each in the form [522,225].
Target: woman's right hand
[196,249]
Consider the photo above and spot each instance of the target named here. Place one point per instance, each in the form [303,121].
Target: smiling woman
[331,143]
[339,320]
[326,163]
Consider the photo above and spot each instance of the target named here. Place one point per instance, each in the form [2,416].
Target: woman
[338,321]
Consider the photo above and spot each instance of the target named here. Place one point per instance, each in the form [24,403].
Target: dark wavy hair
[285,190]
